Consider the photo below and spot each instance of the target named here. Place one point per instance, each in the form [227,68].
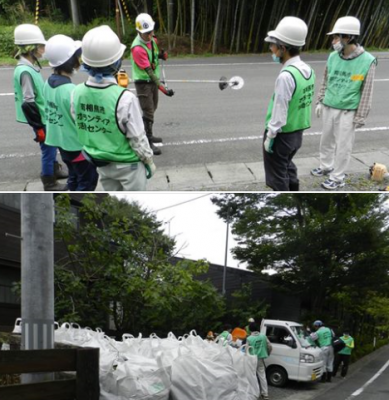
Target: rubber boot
[59,171]
[50,184]
[149,131]
[324,377]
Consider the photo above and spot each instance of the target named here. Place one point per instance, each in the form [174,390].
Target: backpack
[338,344]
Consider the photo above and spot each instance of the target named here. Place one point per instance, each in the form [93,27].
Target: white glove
[269,141]
[319,110]
[150,168]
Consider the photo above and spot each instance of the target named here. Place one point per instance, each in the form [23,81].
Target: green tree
[118,263]
[332,250]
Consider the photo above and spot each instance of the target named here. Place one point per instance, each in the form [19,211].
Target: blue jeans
[83,176]
[49,155]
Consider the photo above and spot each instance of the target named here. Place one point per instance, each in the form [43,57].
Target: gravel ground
[355,182]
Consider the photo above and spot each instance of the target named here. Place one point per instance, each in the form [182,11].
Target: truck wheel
[277,376]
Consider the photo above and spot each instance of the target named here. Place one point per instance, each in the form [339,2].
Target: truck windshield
[302,335]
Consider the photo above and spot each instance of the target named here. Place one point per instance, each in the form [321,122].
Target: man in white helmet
[344,100]
[29,102]
[289,111]
[108,117]
[146,74]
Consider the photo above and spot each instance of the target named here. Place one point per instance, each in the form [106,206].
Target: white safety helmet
[60,48]
[346,26]
[251,320]
[101,47]
[290,30]
[144,23]
[28,34]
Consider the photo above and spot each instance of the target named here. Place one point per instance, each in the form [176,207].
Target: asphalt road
[201,124]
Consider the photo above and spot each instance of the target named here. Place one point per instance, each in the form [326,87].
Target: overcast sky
[198,231]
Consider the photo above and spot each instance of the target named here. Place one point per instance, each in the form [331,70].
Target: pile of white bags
[184,368]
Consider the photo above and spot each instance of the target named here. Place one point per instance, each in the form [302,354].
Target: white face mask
[338,46]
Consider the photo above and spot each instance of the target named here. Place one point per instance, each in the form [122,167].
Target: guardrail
[84,386]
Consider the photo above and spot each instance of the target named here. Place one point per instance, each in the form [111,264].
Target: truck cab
[293,356]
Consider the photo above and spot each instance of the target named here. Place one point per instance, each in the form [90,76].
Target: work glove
[40,135]
[163,55]
[269,142]
[150,168]
[167,92]
[358,124]
[319,110]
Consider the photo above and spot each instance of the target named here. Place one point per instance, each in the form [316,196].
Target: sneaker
[332,185]
[321,172]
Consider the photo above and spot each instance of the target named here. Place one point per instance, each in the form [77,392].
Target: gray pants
[148,98]
[328,358]
[123,177]
[261,372]
[280,171]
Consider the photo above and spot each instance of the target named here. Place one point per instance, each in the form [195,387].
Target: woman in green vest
[289,111]
[343,356]
[344,100]
[108,117]
[29,101]
[146,74]
[63,54]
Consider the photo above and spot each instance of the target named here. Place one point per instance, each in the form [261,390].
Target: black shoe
[324,377]
[155,139]
[156,151]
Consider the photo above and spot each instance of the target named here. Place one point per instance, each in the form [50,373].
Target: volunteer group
[105,133]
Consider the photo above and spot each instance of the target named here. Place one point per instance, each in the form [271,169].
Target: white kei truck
[293,356]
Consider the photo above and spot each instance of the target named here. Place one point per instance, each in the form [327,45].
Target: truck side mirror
[289,341]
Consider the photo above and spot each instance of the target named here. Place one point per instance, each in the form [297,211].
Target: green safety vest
[349,341]
[300,105]
[345,80]
[258,345]
[324,336]
[38,83]
[139,74]
[97,125]
[60,127]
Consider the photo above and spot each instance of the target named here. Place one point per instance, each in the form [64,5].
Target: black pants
[343,359]
[280,171]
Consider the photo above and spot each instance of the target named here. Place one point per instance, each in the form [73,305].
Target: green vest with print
[97,126]
[324,337]
[345,80]
[349,341]
[60,127]
[300,105]
[139,74]
[38,83]
[258,345]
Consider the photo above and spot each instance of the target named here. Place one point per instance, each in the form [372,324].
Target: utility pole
[37,219]
[226,254]
[117,14]
[75,15]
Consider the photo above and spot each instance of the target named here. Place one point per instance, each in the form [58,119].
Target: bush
[50,28]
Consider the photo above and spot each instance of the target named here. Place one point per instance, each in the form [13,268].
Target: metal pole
[75,16]
[37,218]
[226,255]
[117,14]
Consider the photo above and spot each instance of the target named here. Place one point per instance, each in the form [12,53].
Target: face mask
[276,59]
[338,46]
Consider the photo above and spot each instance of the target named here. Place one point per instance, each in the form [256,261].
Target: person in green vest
[63,54]
[108,117]
[146,74]
[323,337]
[29,102]
[259,345]
[343,356]
[247,327]
[289,111]
[226,334]
[344,100]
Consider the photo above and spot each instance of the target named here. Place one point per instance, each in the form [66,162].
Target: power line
[184,202]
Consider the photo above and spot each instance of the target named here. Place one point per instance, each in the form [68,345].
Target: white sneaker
[333,185]
[321,172]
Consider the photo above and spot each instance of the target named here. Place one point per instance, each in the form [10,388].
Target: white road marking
[362,388]
[206,141]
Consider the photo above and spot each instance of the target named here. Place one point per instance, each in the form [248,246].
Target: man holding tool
[146,74]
